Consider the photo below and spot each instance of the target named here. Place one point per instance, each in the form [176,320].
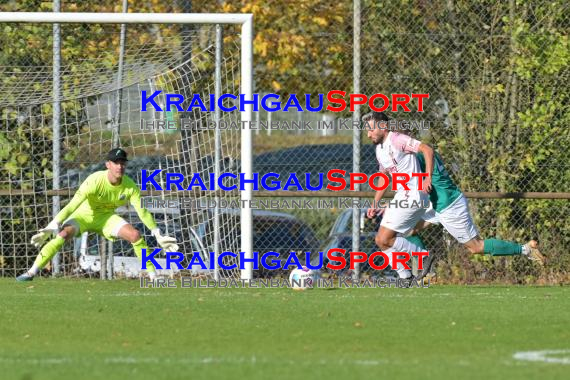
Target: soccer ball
[303,278]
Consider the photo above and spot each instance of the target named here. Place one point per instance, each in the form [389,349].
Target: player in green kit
[92,209]
[451,210]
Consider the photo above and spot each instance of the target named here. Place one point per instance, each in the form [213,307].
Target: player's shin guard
[417,240]
[138,246]
[48,252]
[496,247]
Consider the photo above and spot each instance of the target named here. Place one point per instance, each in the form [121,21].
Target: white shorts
[404,219]
[456,219]
[431,216]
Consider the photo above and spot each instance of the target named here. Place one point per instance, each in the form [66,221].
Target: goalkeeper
[92,209]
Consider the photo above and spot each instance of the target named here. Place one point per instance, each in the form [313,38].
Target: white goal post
[246,81]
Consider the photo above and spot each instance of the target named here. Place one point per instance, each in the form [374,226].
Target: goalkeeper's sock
[34,270]
[496,247]
[47,253]
[138,246]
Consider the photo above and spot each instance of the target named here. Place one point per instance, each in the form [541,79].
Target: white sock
[402,245]
[33,270]
[152,275]
[404,273]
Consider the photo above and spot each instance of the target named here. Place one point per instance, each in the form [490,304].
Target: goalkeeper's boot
[24,277]
[531,251]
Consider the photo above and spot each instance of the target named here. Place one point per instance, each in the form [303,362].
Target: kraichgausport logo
[271,260]
[273,182]
[272,102]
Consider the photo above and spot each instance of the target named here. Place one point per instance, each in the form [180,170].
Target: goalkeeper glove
[166,242]
[45,233]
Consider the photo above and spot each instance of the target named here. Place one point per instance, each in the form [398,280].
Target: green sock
[48,251]
[417,240]
[138,246]
[496,247]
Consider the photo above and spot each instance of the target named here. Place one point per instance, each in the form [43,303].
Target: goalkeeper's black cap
[117,154]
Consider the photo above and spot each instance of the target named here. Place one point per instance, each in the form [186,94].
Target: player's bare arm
[373,211]
[428,154]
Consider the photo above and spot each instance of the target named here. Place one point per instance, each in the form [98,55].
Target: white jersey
[396,155]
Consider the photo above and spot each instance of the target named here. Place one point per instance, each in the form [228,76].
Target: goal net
[101,79]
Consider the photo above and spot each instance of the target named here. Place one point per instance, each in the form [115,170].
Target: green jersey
[96,196]
[444,191]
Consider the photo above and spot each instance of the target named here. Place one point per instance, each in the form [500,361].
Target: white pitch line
[541,356]
[252,360]
[133,294]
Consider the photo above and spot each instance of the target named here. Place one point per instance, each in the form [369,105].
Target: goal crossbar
[128,18]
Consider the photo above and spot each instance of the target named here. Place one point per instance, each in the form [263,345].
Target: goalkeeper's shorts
[107,225]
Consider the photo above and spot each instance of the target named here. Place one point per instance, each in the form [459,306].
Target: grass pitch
[89,329]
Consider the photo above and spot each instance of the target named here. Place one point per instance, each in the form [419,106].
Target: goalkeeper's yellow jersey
[96,196]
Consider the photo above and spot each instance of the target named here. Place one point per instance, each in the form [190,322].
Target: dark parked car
[343,223]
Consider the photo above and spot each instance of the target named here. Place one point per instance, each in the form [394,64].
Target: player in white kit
[395,153]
